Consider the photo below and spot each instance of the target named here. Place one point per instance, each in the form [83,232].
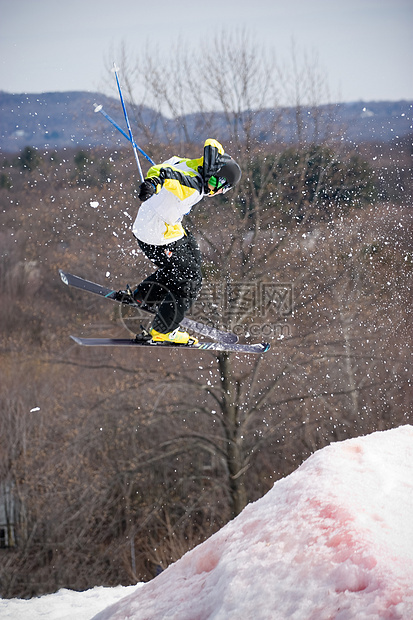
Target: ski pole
[135,152]
[99,108]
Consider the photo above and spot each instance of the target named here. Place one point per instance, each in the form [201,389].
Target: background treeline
[114,463]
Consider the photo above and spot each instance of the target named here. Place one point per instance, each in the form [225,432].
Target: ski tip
[266,346]
[63,277]
[76,339]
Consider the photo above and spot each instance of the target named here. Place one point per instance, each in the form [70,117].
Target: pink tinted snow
[334,540]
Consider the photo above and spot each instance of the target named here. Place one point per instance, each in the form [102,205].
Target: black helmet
[226,177]
[231,172]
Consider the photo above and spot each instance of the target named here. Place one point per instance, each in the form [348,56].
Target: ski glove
[146,190]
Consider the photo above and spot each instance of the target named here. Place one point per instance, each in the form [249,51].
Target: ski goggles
[218,183]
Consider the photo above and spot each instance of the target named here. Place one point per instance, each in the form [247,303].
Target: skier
[169,192]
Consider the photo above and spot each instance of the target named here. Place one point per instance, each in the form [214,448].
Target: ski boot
[174,337]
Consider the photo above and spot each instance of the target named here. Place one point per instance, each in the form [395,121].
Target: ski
[103,291]
[261,347]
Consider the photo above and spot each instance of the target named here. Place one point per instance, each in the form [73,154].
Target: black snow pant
[172,289]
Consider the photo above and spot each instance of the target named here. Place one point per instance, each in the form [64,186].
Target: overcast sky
[364,46]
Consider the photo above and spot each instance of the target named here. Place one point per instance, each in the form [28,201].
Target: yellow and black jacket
[179,183]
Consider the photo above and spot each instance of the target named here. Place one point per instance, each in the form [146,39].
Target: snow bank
[63,605]
[334,540]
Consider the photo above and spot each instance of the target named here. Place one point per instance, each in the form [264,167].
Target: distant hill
[57,120]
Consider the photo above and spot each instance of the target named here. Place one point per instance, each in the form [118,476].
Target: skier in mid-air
[169,192]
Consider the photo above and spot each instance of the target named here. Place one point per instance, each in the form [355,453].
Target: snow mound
[64,604]
[334,540]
